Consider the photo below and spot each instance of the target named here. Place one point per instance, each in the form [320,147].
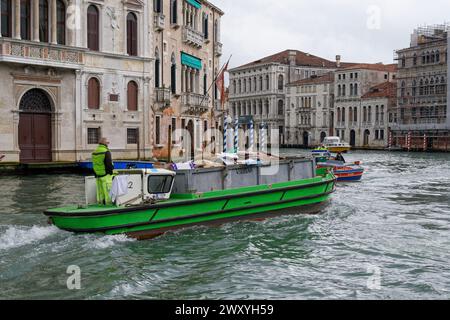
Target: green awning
[191,61]
[194,3]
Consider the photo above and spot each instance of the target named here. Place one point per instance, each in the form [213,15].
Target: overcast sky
[358,30]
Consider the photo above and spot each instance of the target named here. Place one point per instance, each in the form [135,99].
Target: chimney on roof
[338,61]
[292,58]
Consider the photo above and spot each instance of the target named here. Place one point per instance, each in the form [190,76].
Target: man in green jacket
[103,169]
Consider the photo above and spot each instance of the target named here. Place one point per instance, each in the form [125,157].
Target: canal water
[387,237]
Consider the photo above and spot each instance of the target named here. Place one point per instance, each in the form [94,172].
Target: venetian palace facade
[73,71]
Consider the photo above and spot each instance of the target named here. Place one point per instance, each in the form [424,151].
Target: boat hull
[339,149]
[208,208]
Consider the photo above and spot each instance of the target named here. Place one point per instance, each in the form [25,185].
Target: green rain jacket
[102,161]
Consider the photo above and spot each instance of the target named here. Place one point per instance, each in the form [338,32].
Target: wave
[18,236]
[107,242]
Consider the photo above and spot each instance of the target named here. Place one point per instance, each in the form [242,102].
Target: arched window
[250,85]
[280,107]
[255,84]
[93,94]
[438,56]
[428,57]
[205,82]
[344,91]
[173,12]
[267,82]
[43,21]
[157,6]
[403,90]
[261,83]
[343,115]
[414,88]
[377,113]
[25,19]
[234,87]
[6,18]
[239,86]
[173,75]
[339,114]
[355,89]
[132,96]
[93,41]
[132,35]
[351,89]
[157,68]
[403,61]
[415,59]
[370,114]
[365,114]
[421,91]
[350,114]
[433,56]
[355,114]
[280,82]
[60,22]
[205,26]
[339,91]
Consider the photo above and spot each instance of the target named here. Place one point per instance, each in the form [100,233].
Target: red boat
[344,172]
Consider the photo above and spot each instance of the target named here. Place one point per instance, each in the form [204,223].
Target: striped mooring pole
[252,136]
[225,135]
[425,144]
[236,135]
[390,140]
[408,141]
[263,137]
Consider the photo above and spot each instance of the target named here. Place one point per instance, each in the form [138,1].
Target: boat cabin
[135,187]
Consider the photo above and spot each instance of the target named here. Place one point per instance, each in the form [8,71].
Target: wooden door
[35,137]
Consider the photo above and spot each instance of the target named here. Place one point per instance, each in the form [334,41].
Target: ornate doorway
[35,134]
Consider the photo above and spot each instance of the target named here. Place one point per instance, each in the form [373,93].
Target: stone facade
[259,89]
[355,118]
[423,111]
[187,48]
[60,62]
[309,110]
[92,65]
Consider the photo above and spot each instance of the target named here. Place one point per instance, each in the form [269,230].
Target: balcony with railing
[42,54]
[162,97]
[192,37]
[218,49]
[194,104]
[159,21]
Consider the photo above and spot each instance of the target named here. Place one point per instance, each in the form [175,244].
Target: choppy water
[391,230]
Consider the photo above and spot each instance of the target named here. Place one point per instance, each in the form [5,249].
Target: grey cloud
[252,29]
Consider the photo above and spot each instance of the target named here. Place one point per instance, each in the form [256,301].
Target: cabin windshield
[159,184]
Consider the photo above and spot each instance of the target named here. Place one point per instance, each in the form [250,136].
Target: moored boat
[158,200]
[344,172]
[335,145]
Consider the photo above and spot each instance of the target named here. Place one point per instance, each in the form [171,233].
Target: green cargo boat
[151,208]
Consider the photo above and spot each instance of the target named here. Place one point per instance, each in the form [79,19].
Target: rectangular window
[93,135]
[174,129]
[159,184]
[6,18]
[158,130]
[25,19]
[132,136]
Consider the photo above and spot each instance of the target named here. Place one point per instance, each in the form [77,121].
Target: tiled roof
[302,59]
[372,66]
[326,78]
[383,90]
